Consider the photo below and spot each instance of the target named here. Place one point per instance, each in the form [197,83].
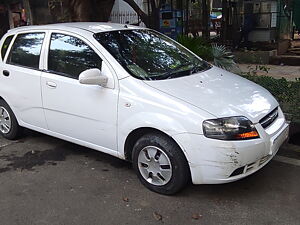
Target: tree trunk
[154,17]
[205,19]
[102,9]
[152,20]
[144,17]
[4,21]
[81,11]
[99,10]
[224,21]
[90,10]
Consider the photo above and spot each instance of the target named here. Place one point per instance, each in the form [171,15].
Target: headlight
[230,128]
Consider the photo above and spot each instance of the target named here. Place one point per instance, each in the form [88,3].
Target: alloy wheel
[5,121]
[154,165]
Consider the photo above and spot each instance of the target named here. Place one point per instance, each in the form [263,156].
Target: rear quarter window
[5,46]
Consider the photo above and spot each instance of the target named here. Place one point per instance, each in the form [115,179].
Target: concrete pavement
[276,71]
[44,180]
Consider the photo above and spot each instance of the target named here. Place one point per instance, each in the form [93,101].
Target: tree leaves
[219,54]
[222,57]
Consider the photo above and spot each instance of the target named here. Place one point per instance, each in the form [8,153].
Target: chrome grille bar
[269,119]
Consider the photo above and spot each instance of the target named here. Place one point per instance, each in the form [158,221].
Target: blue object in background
[171,22]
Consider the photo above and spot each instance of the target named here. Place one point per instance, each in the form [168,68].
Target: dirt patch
[2,170]
[50,157]
[34,158]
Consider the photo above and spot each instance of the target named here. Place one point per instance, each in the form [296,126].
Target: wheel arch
[134,135]
[12,109]
[137,133]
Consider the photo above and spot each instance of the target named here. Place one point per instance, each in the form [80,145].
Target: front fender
[141,106]
[162,122]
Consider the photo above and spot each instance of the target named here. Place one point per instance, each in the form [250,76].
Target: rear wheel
[160,164]
[9,127]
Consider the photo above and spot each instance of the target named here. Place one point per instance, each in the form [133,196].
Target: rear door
[85,113]
[21,74]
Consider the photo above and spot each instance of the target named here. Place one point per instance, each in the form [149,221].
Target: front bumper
[215,161]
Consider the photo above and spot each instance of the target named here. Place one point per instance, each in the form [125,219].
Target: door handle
[51,84]
[6,73]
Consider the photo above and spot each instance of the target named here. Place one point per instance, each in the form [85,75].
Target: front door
[86,113]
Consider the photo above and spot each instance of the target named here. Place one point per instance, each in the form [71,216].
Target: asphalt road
[44,180]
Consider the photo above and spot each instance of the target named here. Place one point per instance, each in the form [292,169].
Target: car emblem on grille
[269,119]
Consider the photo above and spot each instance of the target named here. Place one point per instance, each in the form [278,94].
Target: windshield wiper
[200,67]
[177,72]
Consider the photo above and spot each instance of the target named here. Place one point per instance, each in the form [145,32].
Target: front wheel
[160,164]
[9,127]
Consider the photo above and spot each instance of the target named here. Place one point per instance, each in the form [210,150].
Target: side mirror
[93,77]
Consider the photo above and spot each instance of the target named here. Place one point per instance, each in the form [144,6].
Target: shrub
[218,54]
[198,45]
[222,57]
[286,92]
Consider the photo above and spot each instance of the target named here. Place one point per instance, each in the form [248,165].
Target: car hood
[220,93]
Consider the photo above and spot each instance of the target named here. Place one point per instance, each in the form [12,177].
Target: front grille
[264,159]
[269,119]
[251,166]
[238,171]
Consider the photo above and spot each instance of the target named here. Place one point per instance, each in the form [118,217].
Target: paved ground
[44,180]
[276,71]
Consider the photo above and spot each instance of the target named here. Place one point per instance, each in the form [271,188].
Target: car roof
[94,27]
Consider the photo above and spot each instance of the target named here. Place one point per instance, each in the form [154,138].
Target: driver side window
[69,56]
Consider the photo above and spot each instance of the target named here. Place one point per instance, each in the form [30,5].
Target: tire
[160,164]
[9,127]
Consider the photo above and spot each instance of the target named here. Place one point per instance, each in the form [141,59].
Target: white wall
[122,12]
[122,6]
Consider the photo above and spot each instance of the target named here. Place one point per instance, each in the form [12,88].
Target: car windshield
[148,55]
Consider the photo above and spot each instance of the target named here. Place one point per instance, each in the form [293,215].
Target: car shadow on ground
[60,151]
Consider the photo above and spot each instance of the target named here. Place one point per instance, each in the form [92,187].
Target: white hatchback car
[138,95]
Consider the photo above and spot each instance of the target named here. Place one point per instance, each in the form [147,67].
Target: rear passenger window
[5,46]
[26,50]
[69,56]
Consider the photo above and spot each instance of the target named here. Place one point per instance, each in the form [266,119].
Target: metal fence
[126,18]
